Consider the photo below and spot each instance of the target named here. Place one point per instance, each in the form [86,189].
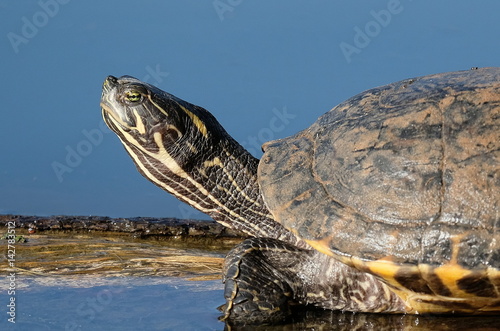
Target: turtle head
[159,129]
[177,145]
[146,116]
[184,150]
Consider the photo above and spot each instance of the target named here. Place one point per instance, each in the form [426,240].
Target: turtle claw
[255,292]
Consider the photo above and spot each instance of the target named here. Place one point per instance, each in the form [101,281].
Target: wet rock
[139,226]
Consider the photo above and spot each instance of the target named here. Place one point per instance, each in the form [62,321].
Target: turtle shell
[402,181]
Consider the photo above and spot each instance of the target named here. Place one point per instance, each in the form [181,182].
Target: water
[109,281]
[115,304]
[166,303]
[169,303]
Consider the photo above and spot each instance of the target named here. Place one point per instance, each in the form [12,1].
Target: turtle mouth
[111,118]
[109,83]
[108,86]
[111,113]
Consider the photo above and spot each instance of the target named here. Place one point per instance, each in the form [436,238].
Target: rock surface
[73,246]
[139,226]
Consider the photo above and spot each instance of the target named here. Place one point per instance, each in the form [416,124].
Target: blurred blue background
[251,63]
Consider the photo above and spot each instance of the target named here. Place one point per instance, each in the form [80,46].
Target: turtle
[388,203]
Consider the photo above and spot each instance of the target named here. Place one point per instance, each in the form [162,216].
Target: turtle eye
[133,96]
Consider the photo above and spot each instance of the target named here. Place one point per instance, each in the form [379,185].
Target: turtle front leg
[265,278]
[259,277]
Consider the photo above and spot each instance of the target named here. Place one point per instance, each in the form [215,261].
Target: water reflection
[166,303]
[338,321]
[116,304]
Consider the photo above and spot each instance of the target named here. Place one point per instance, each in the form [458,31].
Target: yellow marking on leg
[451,272]
[319,245]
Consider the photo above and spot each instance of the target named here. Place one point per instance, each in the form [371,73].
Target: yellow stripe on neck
[196,121]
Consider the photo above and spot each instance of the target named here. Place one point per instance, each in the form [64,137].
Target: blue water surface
[123,304]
